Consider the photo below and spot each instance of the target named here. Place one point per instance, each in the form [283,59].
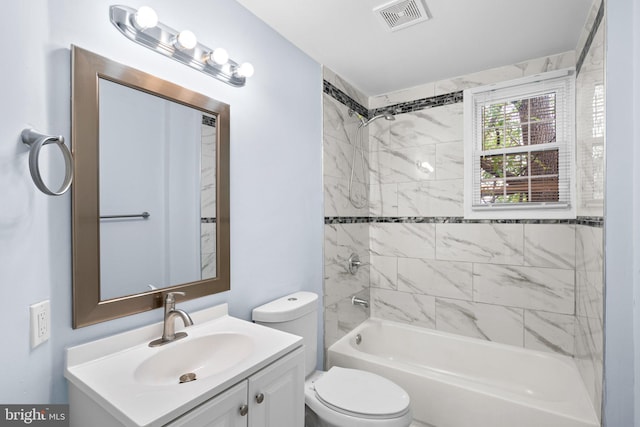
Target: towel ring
[35,140]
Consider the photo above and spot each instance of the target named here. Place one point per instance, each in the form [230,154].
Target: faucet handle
[170,298]
[171,294]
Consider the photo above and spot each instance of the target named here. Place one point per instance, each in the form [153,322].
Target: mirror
[157,202]
[150,193]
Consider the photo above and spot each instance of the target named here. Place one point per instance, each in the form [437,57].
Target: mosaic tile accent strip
[343,98]
[208,121]
[347,220]
[420,104]
[588,221]
[207,220]
[592,34]
[404,107]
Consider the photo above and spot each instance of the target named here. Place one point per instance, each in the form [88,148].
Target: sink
[140,386]
[203,356]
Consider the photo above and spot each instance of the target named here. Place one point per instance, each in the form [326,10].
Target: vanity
[235,373]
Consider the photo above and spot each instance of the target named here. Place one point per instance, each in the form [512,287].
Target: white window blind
[519,146]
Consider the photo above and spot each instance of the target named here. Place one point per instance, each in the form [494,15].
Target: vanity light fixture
[142,26]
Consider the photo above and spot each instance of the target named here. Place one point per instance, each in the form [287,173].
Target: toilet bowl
[351,397]
[339,397]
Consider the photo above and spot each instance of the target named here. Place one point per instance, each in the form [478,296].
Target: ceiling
[462,37]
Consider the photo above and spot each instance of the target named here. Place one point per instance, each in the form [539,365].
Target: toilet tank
[297,314]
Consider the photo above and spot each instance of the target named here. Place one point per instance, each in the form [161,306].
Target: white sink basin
[140,385]
[203,356]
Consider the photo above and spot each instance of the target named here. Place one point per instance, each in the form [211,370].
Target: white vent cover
[400,14]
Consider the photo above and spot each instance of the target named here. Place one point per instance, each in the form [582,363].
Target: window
[519,148]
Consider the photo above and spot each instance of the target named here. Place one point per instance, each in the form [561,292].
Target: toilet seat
[361,394]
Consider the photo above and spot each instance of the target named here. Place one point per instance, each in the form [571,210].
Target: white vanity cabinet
[221,411]
[121,381]
[276,393]
[272,397]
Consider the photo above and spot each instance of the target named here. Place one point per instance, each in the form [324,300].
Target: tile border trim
[584,220]
[208,120]
[421,104]
[400,108]
[343,98]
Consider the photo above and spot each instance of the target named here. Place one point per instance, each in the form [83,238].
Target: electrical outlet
[40,317]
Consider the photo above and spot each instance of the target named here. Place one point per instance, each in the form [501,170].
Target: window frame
[522,88]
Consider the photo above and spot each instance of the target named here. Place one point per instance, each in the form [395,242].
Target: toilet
[339,397]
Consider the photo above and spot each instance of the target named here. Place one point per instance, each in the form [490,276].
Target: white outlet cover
[40,322]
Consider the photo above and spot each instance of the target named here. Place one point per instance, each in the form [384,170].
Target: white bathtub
[455,381]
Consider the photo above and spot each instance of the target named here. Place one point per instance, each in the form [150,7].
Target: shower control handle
[354,263]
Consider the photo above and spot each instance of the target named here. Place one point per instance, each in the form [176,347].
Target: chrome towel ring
[35,140]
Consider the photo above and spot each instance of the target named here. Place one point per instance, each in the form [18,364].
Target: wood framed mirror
[150,197]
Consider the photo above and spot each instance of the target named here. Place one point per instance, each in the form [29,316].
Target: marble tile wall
[417,163]
[344,239]
[208,199]
[589,338]
[341,241]
[508,283]
[590,113]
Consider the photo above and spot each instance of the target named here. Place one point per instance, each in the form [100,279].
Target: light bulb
[226,68]
[186,40]
[219,56]
[145,18]
[245,70]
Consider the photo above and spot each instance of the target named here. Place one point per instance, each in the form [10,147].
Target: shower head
[386,115]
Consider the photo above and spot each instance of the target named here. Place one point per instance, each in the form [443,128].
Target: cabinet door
[276,393]
[221,411]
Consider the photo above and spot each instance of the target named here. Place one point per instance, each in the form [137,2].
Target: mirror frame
[87,68]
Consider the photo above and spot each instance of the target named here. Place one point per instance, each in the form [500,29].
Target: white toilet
[339,397]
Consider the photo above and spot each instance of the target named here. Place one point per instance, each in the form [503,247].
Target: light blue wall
[276,169]
[622,215]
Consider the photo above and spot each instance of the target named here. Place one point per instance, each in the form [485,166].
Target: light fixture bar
[165,40]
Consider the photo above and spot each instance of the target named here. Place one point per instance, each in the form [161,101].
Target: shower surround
[531,283]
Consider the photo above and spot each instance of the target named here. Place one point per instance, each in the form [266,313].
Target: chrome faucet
[170,313]
[359,301]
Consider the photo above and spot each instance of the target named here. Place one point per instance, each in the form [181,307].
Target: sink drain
[186,378]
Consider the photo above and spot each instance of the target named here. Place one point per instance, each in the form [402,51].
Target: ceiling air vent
[400,14]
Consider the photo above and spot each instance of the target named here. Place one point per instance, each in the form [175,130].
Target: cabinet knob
[259,397]
[244,410]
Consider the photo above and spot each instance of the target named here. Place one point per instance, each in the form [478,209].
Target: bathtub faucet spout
[359,301]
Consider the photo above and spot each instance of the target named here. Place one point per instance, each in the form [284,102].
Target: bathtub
[455,381]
